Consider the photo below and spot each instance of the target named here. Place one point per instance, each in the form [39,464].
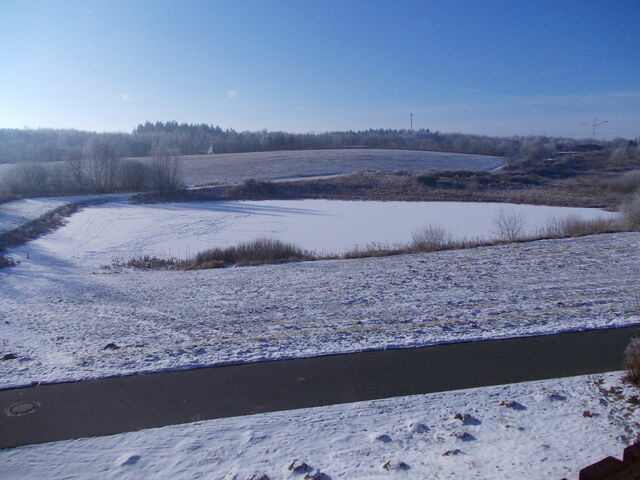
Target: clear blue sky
[490,67]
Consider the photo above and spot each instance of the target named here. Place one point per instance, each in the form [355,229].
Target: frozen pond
[117,230]
[18,212]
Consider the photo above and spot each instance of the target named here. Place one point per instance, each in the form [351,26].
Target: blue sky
[481,66]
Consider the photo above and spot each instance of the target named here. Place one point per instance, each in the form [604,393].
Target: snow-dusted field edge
[237,167]
[545,434]
[16,213]
[58,320]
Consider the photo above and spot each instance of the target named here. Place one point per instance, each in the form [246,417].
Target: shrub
[522,179]
[626,183]
[150,262]
[509,226]
[255,252]
[372,250]
[632,361]
[133,175]
[252,188]
[428,179]
[574,226]
[5,193]
[430,238]
[165,168]
[631,211]
[27,179]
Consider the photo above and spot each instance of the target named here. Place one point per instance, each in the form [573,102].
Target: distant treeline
[50,145]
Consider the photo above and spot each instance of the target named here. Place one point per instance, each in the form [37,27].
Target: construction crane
[594,125]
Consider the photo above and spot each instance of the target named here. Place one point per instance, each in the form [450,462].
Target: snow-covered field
[229,168]
[59,309]
[98,235]
[57,317]
[545,434]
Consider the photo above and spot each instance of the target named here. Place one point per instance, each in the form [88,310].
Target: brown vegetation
[148,262]
[393,187]
[255,252]
[632,362]
[261,251]
[630,210]
[578,227]
[535,183]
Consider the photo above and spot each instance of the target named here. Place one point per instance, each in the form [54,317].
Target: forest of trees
[49,145]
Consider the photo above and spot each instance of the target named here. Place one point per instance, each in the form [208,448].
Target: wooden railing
[611,468]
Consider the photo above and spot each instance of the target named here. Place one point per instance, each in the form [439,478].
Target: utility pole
[594,125]
[411,115]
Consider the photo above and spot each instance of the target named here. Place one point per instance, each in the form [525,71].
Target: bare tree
[166,168]
[509,226]
[77,171]
[27,179]
[431,237]
[132,175]
[102,163]
[58,178]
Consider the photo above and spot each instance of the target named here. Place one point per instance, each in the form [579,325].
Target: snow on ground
[18,212]
[57,318]
[229,168]
[98,235]
[546,434]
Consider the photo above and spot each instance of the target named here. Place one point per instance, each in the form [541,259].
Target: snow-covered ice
[100,234]
[18,212]
[57,318]
[549,437]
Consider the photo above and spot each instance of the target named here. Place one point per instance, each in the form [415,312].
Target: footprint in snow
[513,405]
[467,419]
[415,427]
[125,460]
[382,437]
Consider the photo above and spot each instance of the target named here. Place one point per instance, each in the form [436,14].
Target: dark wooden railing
[611,468]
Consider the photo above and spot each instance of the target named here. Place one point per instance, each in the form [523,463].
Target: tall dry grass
[575,226]
[632,361]
[430,238]
[255,252]
[630,211]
